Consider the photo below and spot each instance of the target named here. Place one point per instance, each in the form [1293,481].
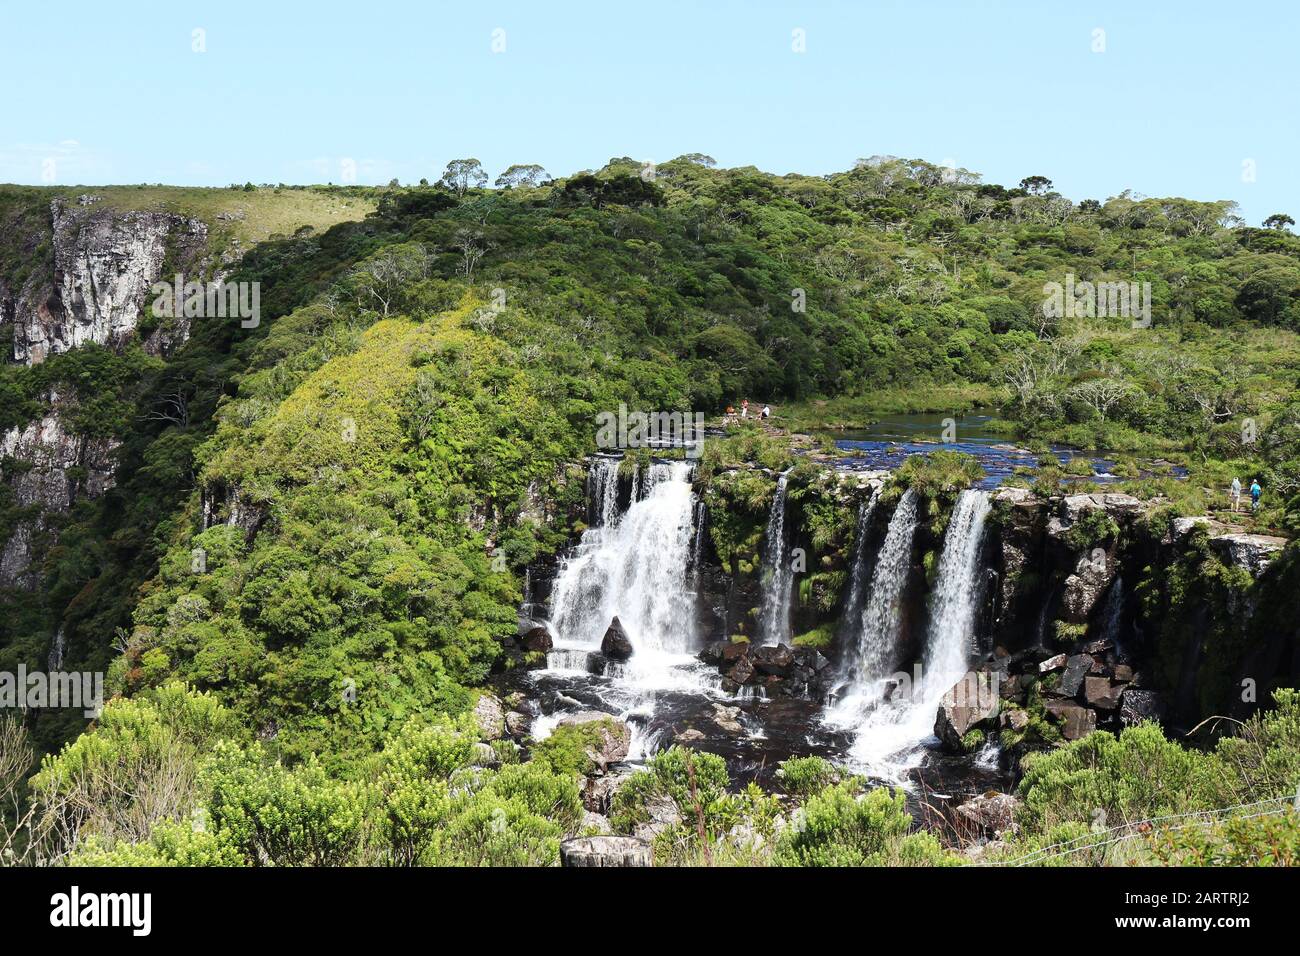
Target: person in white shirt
[1236,493]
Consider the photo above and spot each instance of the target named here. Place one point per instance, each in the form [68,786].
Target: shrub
[839,828]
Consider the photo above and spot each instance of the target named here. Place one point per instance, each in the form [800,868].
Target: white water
[602,490]
[889,734]
[858,570]
[774,611]
[637,567]
[875,651]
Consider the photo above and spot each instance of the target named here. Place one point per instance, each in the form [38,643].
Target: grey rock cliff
[105,263]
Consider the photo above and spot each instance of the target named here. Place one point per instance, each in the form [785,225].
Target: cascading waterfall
[602,490]
[874,652]
[859,570]
[774,611]
[1112,613]
[637,568]
[889,737]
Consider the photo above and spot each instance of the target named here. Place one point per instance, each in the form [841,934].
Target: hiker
[731,411]
[1236,493]
[1255,491]
[744,409]
[767,411]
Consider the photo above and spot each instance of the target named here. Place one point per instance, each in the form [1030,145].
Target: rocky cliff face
[91,284]
[104,262]
[50,469]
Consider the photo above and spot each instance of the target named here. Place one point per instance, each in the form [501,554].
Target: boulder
[742,672]
[1085,587]
[1101,693]
[734,651]
[992,813]
[605,851]
[776,659]
[490,716]
[610,744]
[485,756]
[616,645]
[537,639]
[595,823]
[1076,668]
[712,653]
[728,718]
[689,736]
[598,792]
[663,814]
[1138,705]
[1015,719]
[518,724]
[960,711]
[1123,672]
[1076,720]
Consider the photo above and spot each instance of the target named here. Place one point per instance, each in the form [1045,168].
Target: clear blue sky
[1184,94]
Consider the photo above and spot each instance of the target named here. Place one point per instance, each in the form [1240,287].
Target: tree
[472,247]
[1037,185]
[700,159]
[461,175]
[1279,220]
[523,174]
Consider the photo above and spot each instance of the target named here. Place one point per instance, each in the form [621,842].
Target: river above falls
[887,443]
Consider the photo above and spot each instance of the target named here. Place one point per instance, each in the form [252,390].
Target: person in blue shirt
[1255,491]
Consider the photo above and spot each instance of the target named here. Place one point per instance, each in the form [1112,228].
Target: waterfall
[957,592]
[774,611]
[888,732]
[873,654]
[637,568]
[1112,613]
[602,491]
[859,569]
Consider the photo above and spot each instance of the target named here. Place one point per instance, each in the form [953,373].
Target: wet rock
[537,639]
[712,654]
[728,718]
[1076,720]
[1076,668]
[1101,693]
[616,645]
[490,716]
[1137,705]
[775,659]
[1014,687]
[605,851]
[734,651]
[992,813]
[1123,672]
[689,736]
[960,711]
[517,724]
[742,672]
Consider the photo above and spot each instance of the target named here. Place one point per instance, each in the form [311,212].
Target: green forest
[402,437]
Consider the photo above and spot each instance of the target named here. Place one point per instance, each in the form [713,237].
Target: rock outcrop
[50,469]
[105,262]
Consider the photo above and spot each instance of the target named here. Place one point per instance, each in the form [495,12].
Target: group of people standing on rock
[1255,492]
[765,414]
